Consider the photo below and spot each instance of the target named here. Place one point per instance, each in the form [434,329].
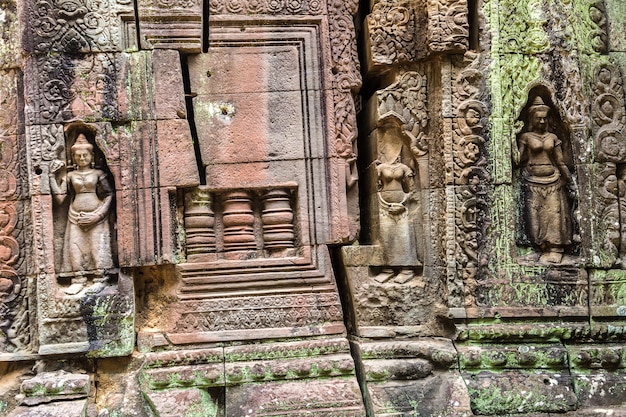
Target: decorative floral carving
[260,312]
[607,112]
[64,88]
[14,314]
[611,209]
[251,7]
[448,25]
[470,175]
[346,80]
[405,100]
[392,32]
[73,26]
[609,120]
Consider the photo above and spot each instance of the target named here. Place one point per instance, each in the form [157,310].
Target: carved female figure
[395,184]
[87,240]
[546,177]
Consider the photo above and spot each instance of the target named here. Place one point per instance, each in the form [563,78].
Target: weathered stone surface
[177,402]
[70,27]
[481,203]
[170,25]
[56,409]
[54,386]
[315,398]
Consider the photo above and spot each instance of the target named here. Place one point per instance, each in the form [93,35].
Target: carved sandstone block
[65,26]
[10,56]
[323,398]
[171,24]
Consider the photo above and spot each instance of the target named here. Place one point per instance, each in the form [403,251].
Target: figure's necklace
[83,174]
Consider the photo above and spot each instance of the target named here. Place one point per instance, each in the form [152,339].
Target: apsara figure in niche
[396,183]
[548,185]
[87,240]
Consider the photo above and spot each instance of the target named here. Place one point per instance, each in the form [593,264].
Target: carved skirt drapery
[548,211]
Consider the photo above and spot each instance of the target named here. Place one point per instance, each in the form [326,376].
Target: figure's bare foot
[531,257]
[404,276]
[96,287]
[74,288]
[551,257]
[384,276]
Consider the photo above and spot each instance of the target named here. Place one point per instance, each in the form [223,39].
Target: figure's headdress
[538,104]
[82,143]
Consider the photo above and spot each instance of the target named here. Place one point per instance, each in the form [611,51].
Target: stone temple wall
[312,208]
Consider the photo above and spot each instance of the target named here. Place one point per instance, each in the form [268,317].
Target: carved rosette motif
[471,178]
[74,26]
[248,7]
[392,32]
[448,25]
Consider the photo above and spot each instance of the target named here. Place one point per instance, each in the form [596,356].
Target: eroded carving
[65,87]
[549,187]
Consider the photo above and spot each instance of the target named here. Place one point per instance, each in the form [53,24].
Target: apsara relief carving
[546,182]
[87,251]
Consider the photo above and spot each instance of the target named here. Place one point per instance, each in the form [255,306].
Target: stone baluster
[277,218]
[238,222]
[199,224]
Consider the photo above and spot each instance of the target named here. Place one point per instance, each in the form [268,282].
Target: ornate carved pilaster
[471,180]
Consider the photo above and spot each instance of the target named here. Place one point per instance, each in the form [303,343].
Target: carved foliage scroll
[289,7]
[74,26]
[448,25]
[347,77]
[609,121]
[66,87]
[392,32]
[14,313]
[608,114]
[470,177]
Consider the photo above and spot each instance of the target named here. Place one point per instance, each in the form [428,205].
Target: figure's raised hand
[56,166]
